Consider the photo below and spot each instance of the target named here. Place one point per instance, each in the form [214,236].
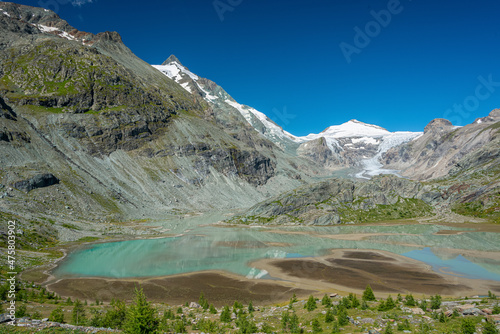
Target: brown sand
[352,270]
[220,288]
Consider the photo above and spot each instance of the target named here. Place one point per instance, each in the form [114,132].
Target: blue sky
[311,64]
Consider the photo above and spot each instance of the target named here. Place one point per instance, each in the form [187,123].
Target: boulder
[37,181]
[417,310]
[194,305]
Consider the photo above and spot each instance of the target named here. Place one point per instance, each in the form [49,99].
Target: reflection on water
[203,247]
[458,266]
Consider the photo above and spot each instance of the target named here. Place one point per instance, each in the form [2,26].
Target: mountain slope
[336,201]
[123,140]
[352,144]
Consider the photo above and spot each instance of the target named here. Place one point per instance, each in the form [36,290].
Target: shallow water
[201,247]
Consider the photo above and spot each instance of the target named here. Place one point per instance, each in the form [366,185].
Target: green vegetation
[140,316]
[311,304]
[368,294]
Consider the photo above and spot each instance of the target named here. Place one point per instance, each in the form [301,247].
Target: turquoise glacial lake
[199,247]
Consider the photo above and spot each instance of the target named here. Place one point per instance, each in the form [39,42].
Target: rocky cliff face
[463,164]
[446,150]
[337,201]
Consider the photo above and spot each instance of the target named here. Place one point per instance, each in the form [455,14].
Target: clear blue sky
[285,56]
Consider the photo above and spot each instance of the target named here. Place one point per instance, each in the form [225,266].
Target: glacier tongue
[372,166]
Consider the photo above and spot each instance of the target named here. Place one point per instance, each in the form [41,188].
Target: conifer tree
[140,316]
[368,294]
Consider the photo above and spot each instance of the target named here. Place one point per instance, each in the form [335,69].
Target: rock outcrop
[343,201]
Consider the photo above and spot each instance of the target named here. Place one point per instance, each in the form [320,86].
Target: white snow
[208,96]
[174,71]
[59,32]
[366,140]
[46,28]
[185,85]
[272,129]
[372,166]
[5,13]
[479,121]
[169,70]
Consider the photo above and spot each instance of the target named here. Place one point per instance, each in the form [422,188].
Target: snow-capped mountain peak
[354,128]
[353,143]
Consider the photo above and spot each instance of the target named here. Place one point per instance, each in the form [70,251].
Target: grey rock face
[38,181]
[444,150]
[341,201]
[438,125]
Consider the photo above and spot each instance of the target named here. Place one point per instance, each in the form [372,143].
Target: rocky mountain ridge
[350,145]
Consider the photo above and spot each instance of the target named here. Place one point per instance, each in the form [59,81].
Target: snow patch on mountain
[174,71]
[271,129]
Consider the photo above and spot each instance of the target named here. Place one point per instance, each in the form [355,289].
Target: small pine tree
[410,301]
[354,300]
[225,315]
[141,315]
[490,328]
[381,306]
[368,294]
[78,316]
[329,317]
[311,304]
[364,305]
[389,303]
[203,302]
[180,327]
[496,309]
[435,302]
[57,315]
[468,326]
[316,326]
[294,324]
[250,307]
[346,302]
[68,301]
[21,311]
[285,318]
[326,301]
[423,304]
[342,316]
[179,310]
[399,299]
[212,309]
[388,329]
[335,327]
